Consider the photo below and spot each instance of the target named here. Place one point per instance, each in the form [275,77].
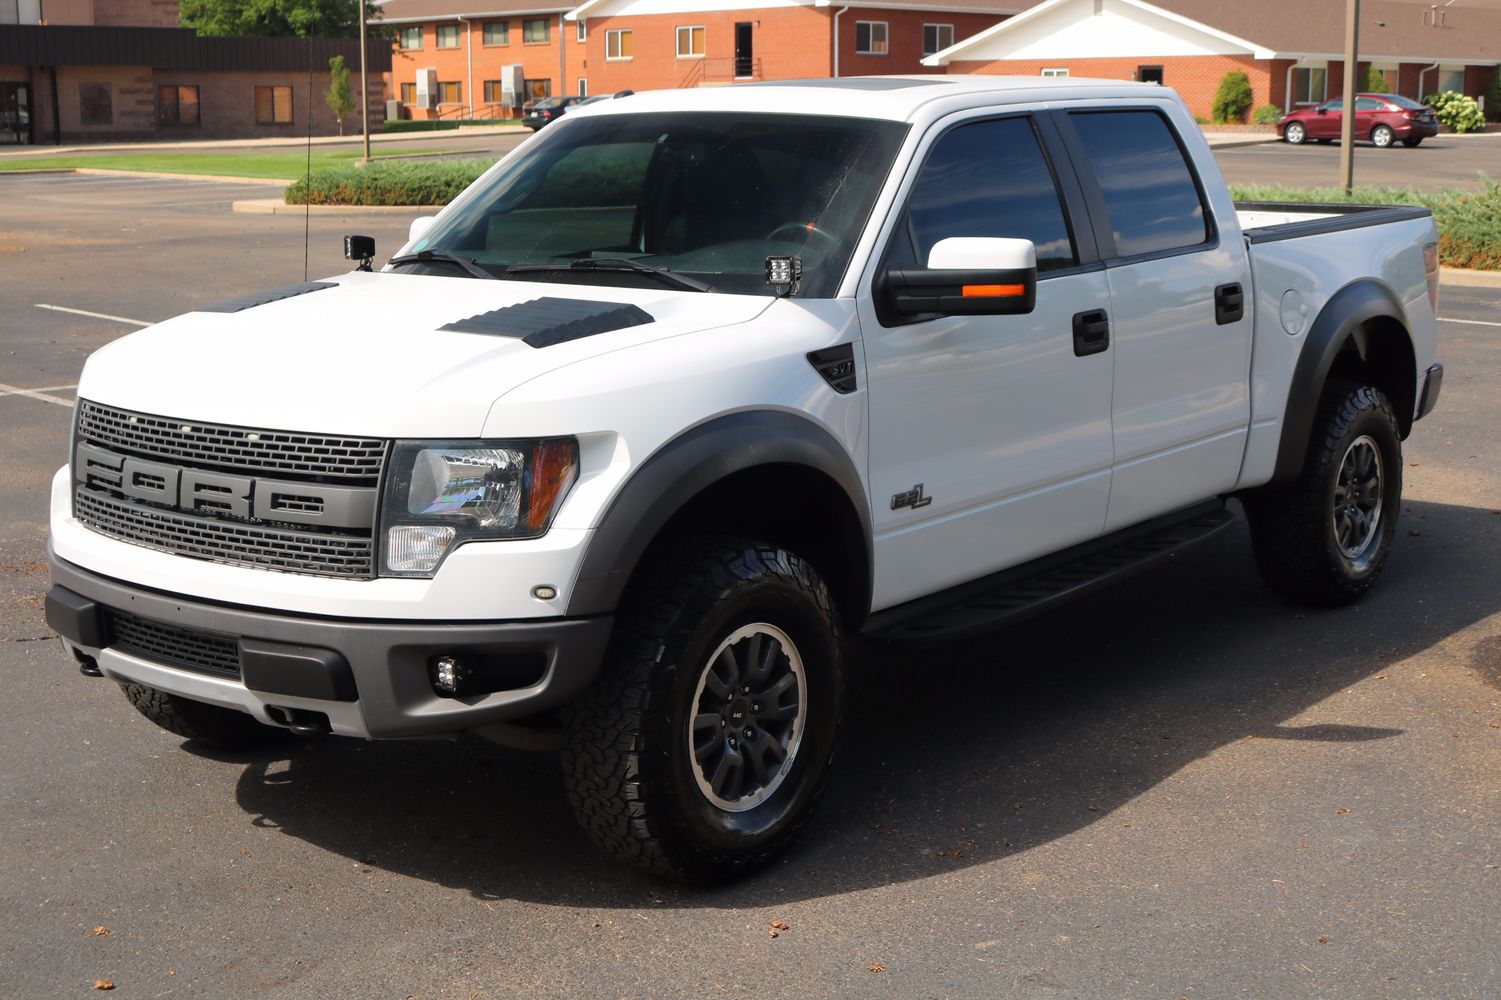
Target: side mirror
[419,227]
[1323,111]
[968,276]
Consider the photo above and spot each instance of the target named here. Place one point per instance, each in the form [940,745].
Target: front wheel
[1294,134]
[1382,136]
[1324,539]
[699,751]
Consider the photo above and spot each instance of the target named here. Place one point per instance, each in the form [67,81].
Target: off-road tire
[1293,526]
[627,763]
[214,726]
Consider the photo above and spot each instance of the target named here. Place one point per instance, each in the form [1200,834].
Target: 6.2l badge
[912,498]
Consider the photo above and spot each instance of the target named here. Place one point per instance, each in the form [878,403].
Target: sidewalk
[463,131]
[1229,140]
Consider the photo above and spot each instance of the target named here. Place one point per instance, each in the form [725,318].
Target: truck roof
[894,98]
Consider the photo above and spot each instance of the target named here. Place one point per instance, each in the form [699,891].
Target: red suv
[1381,118]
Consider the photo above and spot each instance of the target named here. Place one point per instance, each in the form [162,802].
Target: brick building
[123,70]
[1292,50]
[460,58]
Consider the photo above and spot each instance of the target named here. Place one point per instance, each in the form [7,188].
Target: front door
[15,114]
[1327,124]
[989,435]
[745,57]
[1180,326]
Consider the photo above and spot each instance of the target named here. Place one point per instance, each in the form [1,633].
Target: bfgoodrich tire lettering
[641,787]
[1324,538]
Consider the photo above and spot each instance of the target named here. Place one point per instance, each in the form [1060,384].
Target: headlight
[440,494]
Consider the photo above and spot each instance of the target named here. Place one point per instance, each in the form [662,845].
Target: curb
[219,178]
[275,206]
[1465,278]
[37,171]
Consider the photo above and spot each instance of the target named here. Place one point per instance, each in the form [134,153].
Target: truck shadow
[953,756]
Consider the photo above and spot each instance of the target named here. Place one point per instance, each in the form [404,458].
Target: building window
[583,32]
[1149,74]
[1310,85]
[448,36]
[538,89]
[497,33]
[177,105]
[408,93]
[1451,79]
[534,30]
[870,38]
[409,38]
[936,38]
[450,93]
[1056,71]
[618,43]
[583,90]
[494,93]
[273,105]
[95,104]
[691,42]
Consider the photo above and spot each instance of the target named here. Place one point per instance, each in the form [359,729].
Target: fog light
[417,548]
[448,676]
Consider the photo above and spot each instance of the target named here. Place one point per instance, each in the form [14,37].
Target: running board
[1043,584]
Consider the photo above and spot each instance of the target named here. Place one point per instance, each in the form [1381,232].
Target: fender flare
[1344,315]
[685,467]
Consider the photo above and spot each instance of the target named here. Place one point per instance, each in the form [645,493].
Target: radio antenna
[307,176]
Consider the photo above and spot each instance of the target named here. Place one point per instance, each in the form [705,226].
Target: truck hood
[369,356]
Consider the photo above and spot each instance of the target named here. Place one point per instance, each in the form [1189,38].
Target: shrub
[1267,114]
[1233,98]
[388,183]
[1374,82]
[419,125]
[1457,111]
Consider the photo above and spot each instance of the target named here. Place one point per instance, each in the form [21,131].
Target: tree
[1374,83]
[276,18]
[340,100]
[1233,98]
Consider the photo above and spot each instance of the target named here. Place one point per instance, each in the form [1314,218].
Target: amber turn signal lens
[554,466]
[993,291]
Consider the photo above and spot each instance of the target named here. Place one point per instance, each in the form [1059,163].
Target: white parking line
[13,390]
[91,315]
[1470,322]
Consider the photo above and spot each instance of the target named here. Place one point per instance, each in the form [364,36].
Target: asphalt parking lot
[1179,788]
[1443,161]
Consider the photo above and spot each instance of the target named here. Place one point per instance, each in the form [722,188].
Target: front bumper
[368,678]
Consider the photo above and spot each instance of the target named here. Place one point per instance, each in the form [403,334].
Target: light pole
[1347,116]
[364,85]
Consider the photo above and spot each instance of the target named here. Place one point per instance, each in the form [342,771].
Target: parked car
[618,467]
[548,109]
[1381,118]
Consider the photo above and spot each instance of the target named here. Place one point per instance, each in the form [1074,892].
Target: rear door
[1180,329]
[989,435]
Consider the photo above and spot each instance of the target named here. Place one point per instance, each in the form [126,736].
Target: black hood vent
[242,302]
[548,321]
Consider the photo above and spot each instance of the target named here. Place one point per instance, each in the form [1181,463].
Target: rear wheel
[1413,143]
[701,748]
[219,727]
[1324,539]
[1295,134]
[1382,136]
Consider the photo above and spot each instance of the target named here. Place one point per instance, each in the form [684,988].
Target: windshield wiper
[442,257]
[618,265]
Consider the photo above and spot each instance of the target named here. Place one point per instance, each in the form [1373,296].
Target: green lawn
[283,164]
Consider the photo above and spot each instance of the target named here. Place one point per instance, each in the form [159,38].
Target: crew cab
[625,446]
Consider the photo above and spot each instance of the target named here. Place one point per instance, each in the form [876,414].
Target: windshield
[710,196]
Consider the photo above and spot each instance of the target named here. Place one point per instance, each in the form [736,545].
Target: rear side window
[1149,190]
[986,179]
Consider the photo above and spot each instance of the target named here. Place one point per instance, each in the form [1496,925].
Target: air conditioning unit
[393,111]
[427,88]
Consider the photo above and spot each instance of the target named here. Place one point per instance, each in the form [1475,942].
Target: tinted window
[1149,190]
[1338,104]
[986,179]
[1369,104]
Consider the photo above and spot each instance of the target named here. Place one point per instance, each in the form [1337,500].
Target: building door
[1149,74]
[745,62]
[15,114]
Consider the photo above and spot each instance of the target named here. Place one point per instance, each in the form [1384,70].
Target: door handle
[1229,303]
[1091,332]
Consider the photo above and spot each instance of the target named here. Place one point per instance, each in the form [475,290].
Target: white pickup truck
[624,448]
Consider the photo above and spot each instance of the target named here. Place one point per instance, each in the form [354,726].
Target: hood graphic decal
[547,321]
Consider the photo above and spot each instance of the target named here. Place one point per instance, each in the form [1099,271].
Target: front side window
[618,44]
[870,38]
[448,36]
[497,33]
[1310,84]
[936,38]
[410,38]
[273,105]
[1150,193]
[706,195]
[690,42]
[177,105]
[985,179]
[534,30]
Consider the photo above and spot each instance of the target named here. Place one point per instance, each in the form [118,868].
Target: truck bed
[1269,221]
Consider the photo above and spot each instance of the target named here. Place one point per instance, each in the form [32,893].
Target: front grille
[205,652]
[351,461]
[236,542]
